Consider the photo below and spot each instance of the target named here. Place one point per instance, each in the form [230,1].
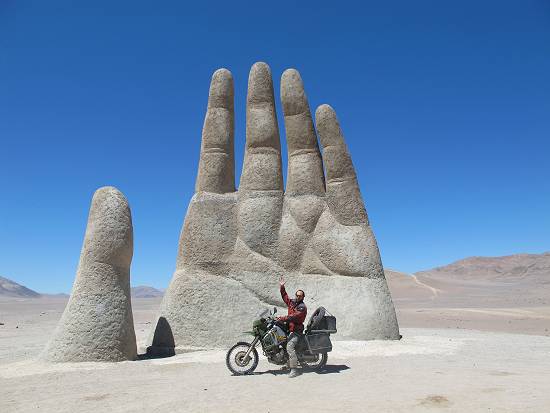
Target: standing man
[297,312]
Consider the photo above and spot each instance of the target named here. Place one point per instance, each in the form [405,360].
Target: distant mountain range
[520,279]
[510,267]
[9,288]
[516,277]
[144,291]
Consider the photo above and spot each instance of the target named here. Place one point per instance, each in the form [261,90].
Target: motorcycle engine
[273,338]
[277,358]
[272,342]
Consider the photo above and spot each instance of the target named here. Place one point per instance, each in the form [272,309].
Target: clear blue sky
[445,107]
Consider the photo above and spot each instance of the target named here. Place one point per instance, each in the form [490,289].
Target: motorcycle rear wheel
[235,362]
[316,365]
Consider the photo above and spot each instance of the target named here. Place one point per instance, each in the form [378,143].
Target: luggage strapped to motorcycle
[322,321]
[322,324]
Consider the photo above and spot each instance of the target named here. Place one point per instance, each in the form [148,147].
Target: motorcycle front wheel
[235,359]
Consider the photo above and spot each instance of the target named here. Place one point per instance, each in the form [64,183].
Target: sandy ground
[530,320]
[448,369]
[488,305]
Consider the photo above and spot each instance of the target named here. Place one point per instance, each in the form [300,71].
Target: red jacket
[296,313]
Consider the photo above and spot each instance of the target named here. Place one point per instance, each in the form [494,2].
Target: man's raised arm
[284,295]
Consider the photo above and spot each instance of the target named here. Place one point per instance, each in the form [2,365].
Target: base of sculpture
[208,311]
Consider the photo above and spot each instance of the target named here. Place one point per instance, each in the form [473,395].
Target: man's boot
[294,373]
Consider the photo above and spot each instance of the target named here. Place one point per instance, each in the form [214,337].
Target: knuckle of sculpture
[262,131]
[300,131]
[258,172]
[209,230]
[294,104]
[216,130]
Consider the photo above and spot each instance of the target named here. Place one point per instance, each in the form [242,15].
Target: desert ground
[480,304]
[460,352]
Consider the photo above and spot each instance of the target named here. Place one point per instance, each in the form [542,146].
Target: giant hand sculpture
[235,244]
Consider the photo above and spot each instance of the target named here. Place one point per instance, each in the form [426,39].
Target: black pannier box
[327,324]
[318,343]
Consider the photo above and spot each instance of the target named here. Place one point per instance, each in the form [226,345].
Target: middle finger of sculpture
[235,244]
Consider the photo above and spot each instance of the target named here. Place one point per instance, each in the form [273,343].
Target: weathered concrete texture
[217,161]
[235,245]
[97,324]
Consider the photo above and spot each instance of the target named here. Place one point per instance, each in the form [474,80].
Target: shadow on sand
[334,368]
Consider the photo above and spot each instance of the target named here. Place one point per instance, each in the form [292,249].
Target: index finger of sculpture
[343,194]
[262,160]
[305,169]
[217,160]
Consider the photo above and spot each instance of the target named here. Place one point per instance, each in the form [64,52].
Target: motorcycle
[272,335]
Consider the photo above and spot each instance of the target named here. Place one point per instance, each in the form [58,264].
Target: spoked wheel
[236,362]
[319,363]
